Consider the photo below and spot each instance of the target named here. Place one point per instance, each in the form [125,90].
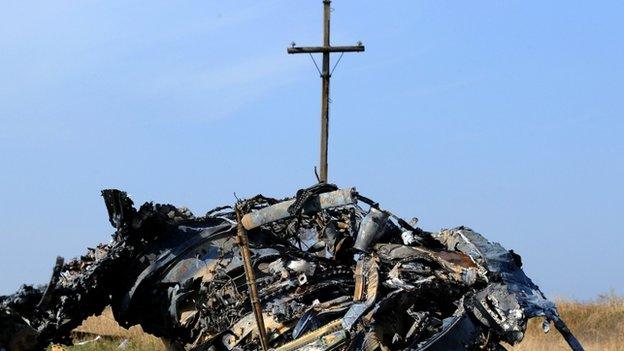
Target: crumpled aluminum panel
[334,271]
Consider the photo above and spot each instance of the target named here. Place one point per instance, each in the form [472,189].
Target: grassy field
[599,325]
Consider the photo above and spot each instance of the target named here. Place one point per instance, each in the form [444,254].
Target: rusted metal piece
[360,281]
[457,265]
[342,197]
[366,281]
[243,242]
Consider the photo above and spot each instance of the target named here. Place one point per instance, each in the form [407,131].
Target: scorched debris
[328,269]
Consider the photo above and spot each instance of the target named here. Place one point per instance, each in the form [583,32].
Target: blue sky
[504,116]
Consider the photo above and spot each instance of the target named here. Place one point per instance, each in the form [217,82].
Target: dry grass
[599,325]
[112,336]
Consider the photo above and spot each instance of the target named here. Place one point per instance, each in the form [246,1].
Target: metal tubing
[341,197]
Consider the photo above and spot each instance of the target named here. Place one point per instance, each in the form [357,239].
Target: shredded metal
[330,270]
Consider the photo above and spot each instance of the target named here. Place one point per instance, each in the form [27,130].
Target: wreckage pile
[326,270]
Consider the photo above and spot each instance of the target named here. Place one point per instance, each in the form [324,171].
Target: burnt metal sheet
[331,270]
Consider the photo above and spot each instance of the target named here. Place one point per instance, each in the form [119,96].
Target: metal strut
[243,243]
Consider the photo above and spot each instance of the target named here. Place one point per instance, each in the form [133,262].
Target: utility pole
[326,49]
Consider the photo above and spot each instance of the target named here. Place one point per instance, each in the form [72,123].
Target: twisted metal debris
[328,270]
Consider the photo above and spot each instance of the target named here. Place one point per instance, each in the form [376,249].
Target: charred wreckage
[328,269]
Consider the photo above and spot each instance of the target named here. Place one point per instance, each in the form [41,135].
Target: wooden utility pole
[326,49]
